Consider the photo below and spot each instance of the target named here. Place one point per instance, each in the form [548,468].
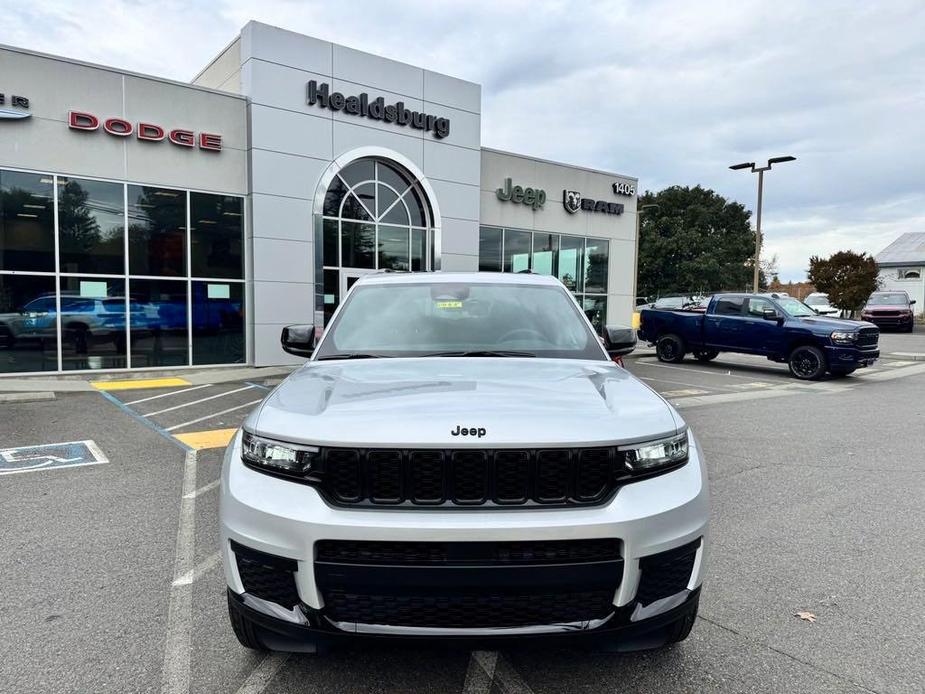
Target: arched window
[910,275]
[375,216]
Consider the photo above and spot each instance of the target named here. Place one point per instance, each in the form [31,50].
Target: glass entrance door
[348,276]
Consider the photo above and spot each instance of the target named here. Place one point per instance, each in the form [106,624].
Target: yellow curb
[215,438]
[139,384]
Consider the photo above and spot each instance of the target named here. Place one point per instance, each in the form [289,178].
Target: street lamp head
[779,160]
[745,165]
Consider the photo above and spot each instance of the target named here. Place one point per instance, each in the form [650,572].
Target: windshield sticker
[449,304]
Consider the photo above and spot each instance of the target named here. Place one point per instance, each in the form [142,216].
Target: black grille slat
[469,476]
[385,476]
[511,476]
[401,552]
[426,477]
[553,470]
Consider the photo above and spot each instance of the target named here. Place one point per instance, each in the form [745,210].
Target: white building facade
[902,268]
[148,223]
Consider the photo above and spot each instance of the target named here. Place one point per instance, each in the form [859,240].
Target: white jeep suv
[461,459]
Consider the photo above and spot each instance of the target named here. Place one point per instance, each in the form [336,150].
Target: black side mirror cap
[619,340]
[912,302]
[770,314]
[298,339]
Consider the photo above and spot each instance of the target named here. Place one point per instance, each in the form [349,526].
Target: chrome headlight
[652,456]
[840,337]
[275,456]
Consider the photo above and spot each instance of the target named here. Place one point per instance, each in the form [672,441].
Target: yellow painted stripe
[216,438]
[637,319]
[140,383]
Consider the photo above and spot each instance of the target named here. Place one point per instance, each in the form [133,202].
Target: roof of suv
[458,277]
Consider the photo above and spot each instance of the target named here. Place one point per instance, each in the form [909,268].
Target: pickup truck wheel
[807,362]
[706,355]
[670,348]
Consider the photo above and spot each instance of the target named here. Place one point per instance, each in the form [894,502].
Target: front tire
[681,629]
[706,355]
[670,348]
[807,363]
[244,629]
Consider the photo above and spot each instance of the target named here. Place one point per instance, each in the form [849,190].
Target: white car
[461,459]
[819,302]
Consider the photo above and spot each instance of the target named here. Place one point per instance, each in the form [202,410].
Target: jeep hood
[418,402]
[825,323]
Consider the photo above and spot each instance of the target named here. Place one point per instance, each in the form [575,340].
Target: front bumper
[890,321]
[287,521]
[850,357]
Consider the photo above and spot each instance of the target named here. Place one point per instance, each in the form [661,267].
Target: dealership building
[148,223]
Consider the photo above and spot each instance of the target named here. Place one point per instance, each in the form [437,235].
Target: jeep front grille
[468,477]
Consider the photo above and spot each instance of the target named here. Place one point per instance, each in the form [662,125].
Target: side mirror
[298,340]
[769,314]
[619,340]
[912,302]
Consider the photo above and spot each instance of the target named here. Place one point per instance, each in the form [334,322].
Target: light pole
[639,210]
[760,171]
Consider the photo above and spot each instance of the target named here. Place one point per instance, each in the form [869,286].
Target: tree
[696,241]
[847,277]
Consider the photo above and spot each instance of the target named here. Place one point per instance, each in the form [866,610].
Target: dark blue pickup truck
[781,328]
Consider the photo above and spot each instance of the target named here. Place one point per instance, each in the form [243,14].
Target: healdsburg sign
[376,109]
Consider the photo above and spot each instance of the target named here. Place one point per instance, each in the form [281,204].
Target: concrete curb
[904,356]
[26,397]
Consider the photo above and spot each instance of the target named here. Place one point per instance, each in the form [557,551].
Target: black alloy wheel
[807,363]
[670,348]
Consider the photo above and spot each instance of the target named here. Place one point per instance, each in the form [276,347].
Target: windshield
[888,300]
[817,301]
[430,319]
[795,308]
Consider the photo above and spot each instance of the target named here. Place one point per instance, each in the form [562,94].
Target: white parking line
[263,674]
[164,395]
[716,372]
[210,416]
[199,570]
[202,490]
[176,671]
[494,668]
[196,402]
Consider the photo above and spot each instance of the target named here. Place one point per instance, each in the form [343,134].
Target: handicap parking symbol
[49,456]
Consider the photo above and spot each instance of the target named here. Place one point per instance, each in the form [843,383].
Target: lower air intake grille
[469,611]
[666,573]
[267,576]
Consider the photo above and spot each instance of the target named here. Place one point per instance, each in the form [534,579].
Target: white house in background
[902,266]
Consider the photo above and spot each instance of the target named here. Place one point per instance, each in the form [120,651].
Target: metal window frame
[126,276]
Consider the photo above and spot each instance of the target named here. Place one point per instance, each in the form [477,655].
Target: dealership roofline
[119,71]
[558,163]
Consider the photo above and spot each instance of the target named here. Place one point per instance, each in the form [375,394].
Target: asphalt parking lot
[112,581]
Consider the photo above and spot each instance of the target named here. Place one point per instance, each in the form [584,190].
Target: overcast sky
[670,92]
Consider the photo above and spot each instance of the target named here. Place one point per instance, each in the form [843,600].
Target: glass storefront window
[544,253]
[28,324]
[489,249]
[157,231]
[158,322]
[92,323]
[216,236]
[218,323]
[595,308]
[329,242]
[393,248]
[570,261]
[596,258]
[331,293]
[418,249]
[358,244]
[517,247]
[91,226]
[27,222]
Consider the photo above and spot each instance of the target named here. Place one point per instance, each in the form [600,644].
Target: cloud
[669,91]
